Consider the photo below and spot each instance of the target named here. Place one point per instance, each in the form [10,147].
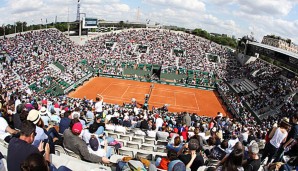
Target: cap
[175,130]
[193,144]
[93,142]
[33,116]
[77,128]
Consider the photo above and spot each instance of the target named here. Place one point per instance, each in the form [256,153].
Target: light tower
[78,10]
[138,15]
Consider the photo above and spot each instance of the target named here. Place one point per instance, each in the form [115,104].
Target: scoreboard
[89,23]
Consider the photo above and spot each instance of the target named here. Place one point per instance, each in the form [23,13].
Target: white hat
[33,116]
[75,115]
[43,111]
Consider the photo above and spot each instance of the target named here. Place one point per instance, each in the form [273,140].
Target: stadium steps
[54,67]
[59,65]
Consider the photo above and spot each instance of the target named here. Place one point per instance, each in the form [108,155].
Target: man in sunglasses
[20,148]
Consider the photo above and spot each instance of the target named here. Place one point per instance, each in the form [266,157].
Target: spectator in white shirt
[95,147]
[98,105]
[5,129]
[159,123]
[232,142]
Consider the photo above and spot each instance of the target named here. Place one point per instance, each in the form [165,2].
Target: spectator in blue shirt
[65,122]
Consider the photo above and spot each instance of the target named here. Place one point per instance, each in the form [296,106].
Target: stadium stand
[41,67]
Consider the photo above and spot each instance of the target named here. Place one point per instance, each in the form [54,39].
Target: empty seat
[137,139]
[132,145]
[144,155]
[113,135]
[119,132]
[159,142]
[122,142]
[59,150]
[72,154]
[3,143]
[126,152]
[150,141]
[130,133]
[147,147]
[139,136]
[161,149]
[124,137]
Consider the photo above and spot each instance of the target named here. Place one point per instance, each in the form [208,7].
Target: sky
[232,17]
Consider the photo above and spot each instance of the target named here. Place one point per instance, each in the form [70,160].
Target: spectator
[201,140]
[192,159]
[89,114]
[277,136]
[34,117]
[158,123]
[232,142]
[162,163]
[36,162]
[292,136]
[176,146]
[233,161]
[254,161]
[187,119]
[95,147]
[5,129]
[45,116]
[65,122]
[162,135]
[20,148]
[219,152]
[98,106]
[78,146]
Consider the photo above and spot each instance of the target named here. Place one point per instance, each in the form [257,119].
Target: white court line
[197,102]
[133,92]
[170,90]
[141,86]
[106,88]
[175,98]
[125,91]
[173,105]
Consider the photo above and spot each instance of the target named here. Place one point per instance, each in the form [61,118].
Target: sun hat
[33,116]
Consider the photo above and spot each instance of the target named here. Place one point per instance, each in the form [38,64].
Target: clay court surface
[117,91]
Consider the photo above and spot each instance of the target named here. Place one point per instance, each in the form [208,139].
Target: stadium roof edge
[292,54]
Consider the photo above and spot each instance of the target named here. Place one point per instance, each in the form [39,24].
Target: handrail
[78,82]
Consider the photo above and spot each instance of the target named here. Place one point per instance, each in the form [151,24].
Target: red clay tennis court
[117,91]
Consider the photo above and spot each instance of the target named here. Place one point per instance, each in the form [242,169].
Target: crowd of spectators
[39,122]
[274,89]
[196,141]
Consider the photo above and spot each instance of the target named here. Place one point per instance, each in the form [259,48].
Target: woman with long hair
[233,161]
[277,136]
